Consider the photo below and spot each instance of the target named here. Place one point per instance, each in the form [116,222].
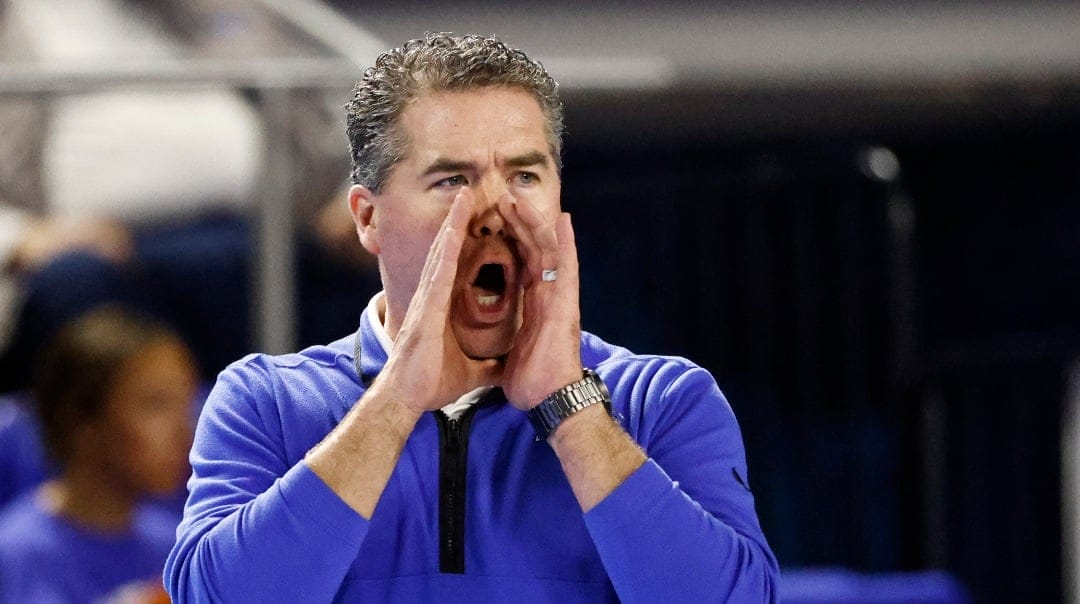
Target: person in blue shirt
[469,442]
[113,394]
[22,458]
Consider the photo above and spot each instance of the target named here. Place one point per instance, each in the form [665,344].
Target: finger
[440,269]
[522,234]
[569,277]
[532,252]
[543,233]
[453,237]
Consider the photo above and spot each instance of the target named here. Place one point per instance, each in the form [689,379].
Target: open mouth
[490,284]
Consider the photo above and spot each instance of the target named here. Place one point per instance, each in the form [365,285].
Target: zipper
[453,459]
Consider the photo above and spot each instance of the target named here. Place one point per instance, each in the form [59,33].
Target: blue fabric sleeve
[683,528]
[256,529]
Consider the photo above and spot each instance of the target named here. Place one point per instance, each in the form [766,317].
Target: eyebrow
[448,165]
[442,164]
[533,158]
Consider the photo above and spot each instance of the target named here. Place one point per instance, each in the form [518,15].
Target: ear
[363,213]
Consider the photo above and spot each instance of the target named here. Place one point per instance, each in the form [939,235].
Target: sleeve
[254,528]
[683,528]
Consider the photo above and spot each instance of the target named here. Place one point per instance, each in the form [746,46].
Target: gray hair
[438,62]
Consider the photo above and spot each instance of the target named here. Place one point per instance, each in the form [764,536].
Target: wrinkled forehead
[475,122]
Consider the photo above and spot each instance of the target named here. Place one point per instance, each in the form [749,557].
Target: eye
[526,178]
[456,180]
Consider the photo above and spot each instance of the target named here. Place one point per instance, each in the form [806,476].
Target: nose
[487,221]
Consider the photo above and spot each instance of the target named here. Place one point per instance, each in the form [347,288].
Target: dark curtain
[893,345]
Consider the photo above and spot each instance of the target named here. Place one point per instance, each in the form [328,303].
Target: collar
[374,318]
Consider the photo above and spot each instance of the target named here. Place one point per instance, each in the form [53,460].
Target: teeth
[488,300]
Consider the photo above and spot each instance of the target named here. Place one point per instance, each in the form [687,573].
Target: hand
[46,239]
[427,368]
[547,351]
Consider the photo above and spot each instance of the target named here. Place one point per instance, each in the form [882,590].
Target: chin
[164,482]
[489,343]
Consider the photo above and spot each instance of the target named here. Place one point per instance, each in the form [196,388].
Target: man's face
[491,140]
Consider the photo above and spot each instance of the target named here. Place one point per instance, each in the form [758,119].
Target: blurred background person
[144,196]
[113,394]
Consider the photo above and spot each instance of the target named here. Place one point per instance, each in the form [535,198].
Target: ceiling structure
[684,67]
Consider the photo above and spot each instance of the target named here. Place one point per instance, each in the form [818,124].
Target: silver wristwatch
[567,401]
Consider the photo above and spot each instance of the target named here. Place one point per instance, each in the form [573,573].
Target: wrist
[566,402]
[558,381]
[392,407]
[580,426]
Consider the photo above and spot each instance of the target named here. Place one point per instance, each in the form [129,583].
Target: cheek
[405,245]
[155,444]
[146,441]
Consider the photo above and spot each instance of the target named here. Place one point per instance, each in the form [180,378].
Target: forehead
[162,361]
[485,121]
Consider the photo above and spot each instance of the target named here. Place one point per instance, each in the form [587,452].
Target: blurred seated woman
[113,394]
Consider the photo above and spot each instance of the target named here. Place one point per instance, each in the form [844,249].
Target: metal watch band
[567,401]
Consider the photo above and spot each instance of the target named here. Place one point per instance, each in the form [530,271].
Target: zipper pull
[453,433]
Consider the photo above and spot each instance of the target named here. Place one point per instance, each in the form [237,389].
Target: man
[386,467]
